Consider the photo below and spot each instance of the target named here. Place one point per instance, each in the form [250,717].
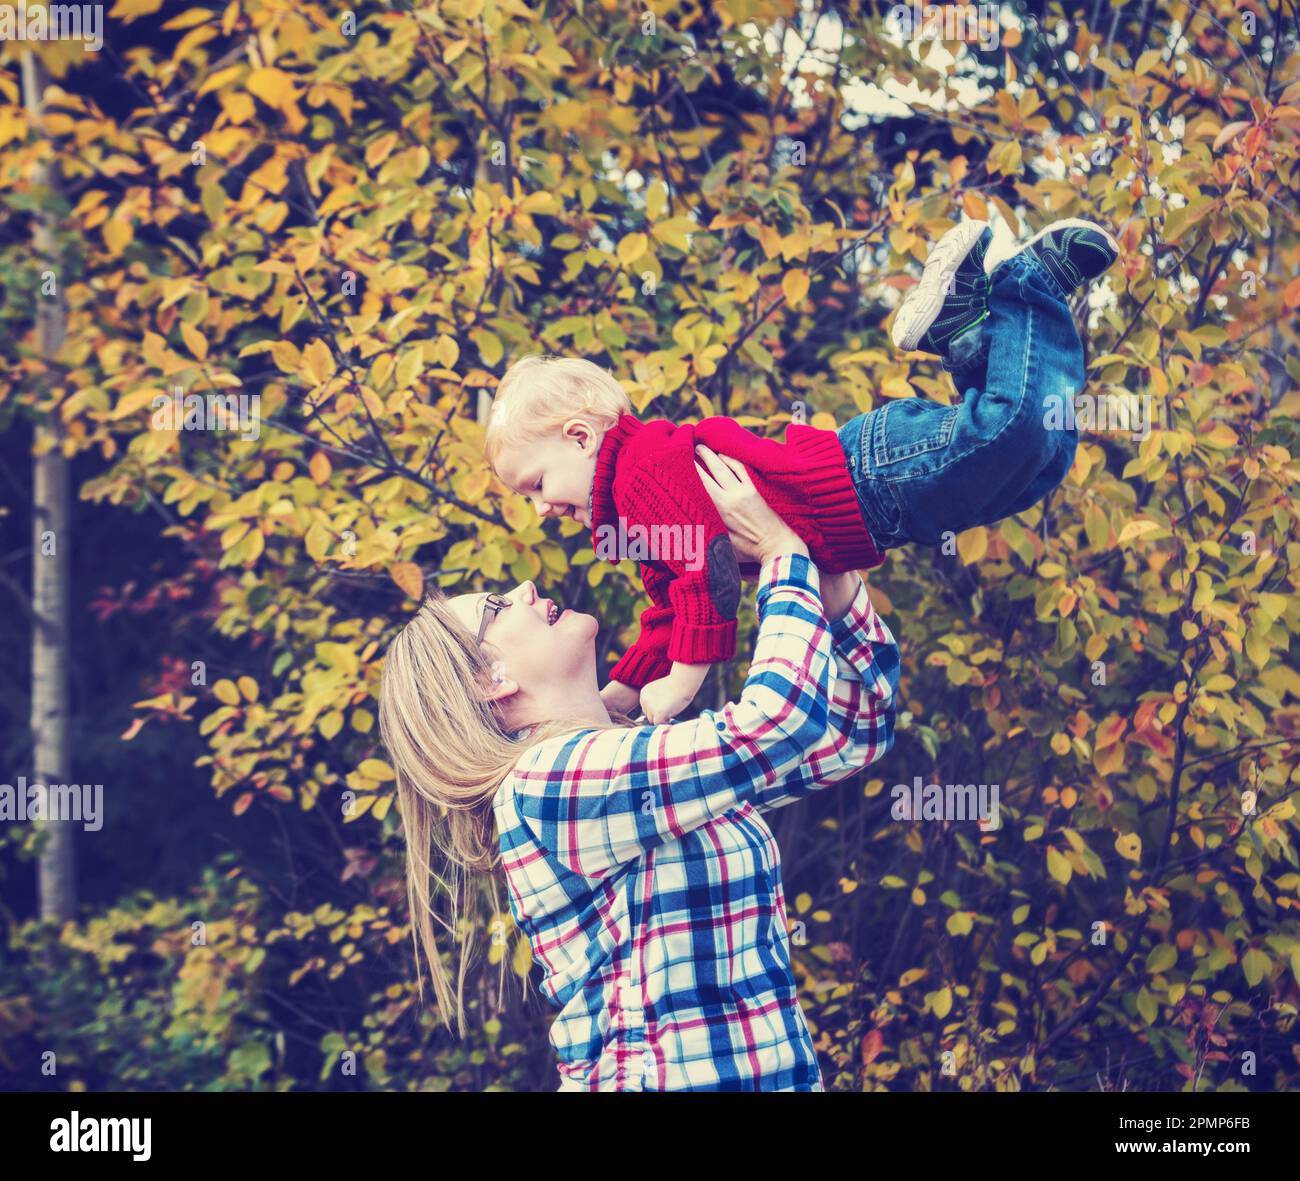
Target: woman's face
[540,656]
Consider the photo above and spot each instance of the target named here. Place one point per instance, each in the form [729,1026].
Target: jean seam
[882,536]
[940,440]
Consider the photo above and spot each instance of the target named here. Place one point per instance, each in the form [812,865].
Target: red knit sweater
[646,477]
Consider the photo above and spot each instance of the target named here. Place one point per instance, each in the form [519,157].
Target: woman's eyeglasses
[494,604]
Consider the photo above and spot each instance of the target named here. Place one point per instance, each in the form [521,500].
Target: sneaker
[952,294]
[1072,251]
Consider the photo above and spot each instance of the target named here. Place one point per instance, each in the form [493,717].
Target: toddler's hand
[620,697]
[663,700]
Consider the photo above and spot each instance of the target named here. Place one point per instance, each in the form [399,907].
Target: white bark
[57,885]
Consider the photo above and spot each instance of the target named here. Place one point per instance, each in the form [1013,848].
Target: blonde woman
[636,858]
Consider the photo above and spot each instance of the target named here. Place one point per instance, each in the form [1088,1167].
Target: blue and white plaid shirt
[646,880]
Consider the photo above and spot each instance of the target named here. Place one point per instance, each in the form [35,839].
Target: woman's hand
[756,531]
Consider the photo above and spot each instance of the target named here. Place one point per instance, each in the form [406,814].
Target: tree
[50,651]
[360,225]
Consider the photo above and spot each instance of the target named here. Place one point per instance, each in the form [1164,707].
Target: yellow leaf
[975,205]
[1129,846]
[1220,436]
[1109,759]
[130,403]
[518,514]
[286,356]
[632,247]
[117,235]
[274,87]
[943,1002]
[1058,866]
[225,692]
[252,547]
[187,20]
[248,687]
[1138,528]
[522,962]
[317,362]
[128,10]
[320,467]
[1061,744]
[973,544]
[317,542]
[409,577]
[195,341]
[795,285]
[376,769]
[1109,731]
[232,536]
[446,351]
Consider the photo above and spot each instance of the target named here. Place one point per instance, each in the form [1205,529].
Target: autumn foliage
[361,228]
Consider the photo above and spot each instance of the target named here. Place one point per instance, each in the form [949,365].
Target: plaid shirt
[640,867]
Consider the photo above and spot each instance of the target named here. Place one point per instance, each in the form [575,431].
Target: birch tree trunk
[57,869]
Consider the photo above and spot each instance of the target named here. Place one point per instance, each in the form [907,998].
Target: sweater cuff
[640,666]
[702,643]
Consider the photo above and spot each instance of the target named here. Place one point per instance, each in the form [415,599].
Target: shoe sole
[920,307]
[992,260]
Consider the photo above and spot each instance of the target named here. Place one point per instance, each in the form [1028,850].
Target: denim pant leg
[922,468]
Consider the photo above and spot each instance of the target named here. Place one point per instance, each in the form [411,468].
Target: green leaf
[1256,965]
[1162,958]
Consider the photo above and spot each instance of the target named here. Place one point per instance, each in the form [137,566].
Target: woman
[636,858]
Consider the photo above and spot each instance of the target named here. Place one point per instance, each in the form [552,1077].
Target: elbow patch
[724,576]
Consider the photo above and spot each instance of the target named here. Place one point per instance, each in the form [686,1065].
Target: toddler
[561,432]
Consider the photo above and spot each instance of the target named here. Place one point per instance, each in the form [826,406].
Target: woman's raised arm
[599,799]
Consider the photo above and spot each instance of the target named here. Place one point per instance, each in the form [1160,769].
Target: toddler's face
[556,472]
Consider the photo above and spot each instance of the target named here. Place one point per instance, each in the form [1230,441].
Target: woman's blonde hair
[540,393]
[451,753]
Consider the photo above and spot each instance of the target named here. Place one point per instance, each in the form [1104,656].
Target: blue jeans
[921,468]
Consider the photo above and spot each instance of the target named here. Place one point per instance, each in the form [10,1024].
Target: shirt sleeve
[862,706]
[599,799]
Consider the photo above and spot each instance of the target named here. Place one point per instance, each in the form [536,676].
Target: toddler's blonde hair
[540,393]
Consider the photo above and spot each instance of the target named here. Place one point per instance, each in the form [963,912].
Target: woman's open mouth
[552,614]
